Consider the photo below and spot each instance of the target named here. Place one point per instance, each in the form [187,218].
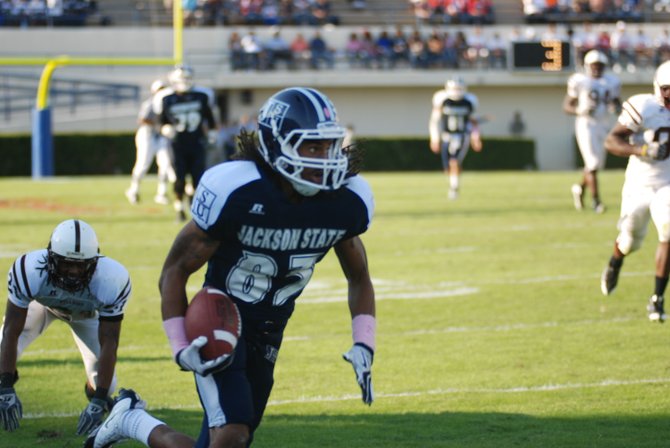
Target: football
[213,314]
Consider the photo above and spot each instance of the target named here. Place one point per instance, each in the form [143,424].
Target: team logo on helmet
[273,113]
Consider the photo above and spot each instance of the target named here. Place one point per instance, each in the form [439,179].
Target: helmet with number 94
[662,79]
[290,118]
[455,89]
[72,256]
[181,78]
[595,62]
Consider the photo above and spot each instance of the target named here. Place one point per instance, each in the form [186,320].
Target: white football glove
[360,356]
[92,416]
[11,410]
[168,131]
[656,151]
[189,359]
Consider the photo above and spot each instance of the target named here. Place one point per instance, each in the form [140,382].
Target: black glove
[91,417]
[11,410]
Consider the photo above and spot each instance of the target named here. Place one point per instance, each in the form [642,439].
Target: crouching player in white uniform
[642,134]
[70,282]
[592,96]
[149,143]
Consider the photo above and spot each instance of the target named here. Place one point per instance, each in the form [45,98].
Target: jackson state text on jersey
[650,123]
[269,245]
[106,295]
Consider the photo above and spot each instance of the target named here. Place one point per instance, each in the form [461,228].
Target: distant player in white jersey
[149,143]
[69,281]
[453,129]
[642,134]
[592,96]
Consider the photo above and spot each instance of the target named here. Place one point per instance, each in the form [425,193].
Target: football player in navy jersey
[453,129]
[261,223]
[186,115]
[69,281]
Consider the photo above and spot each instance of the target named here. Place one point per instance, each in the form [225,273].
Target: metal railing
[18,93]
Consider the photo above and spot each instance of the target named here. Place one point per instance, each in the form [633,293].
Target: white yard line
[425,393]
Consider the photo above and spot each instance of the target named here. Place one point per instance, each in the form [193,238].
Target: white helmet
[181,78]
[662,78]
[157,85]
[73,243]
[595,57]
[455,89]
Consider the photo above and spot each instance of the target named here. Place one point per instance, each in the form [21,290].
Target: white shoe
[132,197]
[655,309]
[577,196]
[161,199]
[453,194]
[110,431]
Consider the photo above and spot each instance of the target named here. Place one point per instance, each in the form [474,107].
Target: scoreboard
[543,56]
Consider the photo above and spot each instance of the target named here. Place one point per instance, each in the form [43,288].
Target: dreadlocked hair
[356,155]
[247,147]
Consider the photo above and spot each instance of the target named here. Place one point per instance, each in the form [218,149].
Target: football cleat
[110,431]
[655,309]
[609,279]
[577,196]
[181,216]
[132,197]
[599,207]
[453,193]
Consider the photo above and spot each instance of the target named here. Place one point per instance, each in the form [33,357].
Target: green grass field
[492,331]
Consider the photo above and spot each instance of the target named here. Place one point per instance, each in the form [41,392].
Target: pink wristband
[363,327]
[174,328]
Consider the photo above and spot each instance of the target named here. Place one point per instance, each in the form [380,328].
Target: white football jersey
[594,94]
[650,122]
[106,295]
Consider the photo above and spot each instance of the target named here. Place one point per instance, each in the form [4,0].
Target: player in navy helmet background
[453,128]
[261,223]
[186,113]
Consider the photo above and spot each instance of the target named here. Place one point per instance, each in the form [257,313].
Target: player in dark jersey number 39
[261,223]
[186,114]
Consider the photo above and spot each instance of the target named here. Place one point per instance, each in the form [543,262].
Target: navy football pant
[239,394]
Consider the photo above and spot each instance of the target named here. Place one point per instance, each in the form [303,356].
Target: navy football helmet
[72,256]
[291,117]
[181,78]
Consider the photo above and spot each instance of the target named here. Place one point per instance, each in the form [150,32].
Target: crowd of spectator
[467,12]
[259,12]
[438,48]
[565,11]
[45,12]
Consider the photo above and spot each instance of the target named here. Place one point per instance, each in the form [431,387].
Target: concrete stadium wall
[376,102]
